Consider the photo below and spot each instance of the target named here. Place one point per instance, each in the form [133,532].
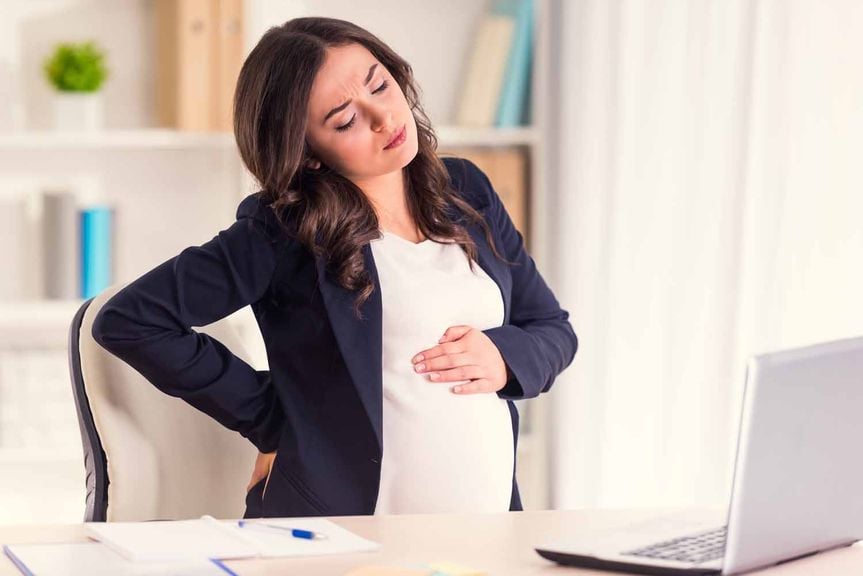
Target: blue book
[96,249]
[513,106]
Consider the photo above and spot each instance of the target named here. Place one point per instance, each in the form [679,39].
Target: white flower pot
[78,111]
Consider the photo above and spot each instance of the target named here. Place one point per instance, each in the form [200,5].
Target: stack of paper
[223,539]
[188,547]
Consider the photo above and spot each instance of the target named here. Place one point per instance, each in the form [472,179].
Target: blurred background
[686,175]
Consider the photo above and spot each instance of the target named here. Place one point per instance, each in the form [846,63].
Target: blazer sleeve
[539,341]
[148,324]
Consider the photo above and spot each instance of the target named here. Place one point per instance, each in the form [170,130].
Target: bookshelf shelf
[147,138]
[158,138]
[465,136]
[12,312]
[34,323]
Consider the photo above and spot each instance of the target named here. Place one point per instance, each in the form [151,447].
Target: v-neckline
[405,240]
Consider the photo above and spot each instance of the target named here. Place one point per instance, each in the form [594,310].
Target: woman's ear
[313,163]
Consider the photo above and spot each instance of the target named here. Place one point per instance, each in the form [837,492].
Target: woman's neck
[389,199]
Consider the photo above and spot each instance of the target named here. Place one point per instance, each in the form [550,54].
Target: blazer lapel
[360,341]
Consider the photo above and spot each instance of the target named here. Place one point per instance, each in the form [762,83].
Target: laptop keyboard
[696,548]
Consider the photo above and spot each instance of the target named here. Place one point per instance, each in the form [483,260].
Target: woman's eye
[351,123]
[346,126]
[382,87]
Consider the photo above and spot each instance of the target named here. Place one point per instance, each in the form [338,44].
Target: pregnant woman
[401,313]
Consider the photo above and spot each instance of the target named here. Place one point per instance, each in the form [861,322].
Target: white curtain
[708,197]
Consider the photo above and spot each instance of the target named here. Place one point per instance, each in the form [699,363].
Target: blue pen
[295,532]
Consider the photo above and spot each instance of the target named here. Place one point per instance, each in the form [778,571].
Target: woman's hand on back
[263,465]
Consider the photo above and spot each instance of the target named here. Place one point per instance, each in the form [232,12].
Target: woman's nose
[381,116]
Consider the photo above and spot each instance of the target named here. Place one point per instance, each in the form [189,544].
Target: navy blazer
[320,403]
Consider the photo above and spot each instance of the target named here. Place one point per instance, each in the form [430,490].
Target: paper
[224,539]
[96,559]
[170,540]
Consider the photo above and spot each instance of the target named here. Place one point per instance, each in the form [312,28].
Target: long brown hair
[325,211]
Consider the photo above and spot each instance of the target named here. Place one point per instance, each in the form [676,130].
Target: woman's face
[352,139]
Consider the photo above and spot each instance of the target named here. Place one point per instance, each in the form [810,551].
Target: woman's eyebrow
[341,107]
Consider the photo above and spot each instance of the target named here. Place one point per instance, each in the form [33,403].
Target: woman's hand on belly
[464,353]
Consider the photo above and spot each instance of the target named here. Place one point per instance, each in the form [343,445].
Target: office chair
[148,455]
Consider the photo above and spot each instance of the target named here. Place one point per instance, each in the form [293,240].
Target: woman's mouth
[398,140]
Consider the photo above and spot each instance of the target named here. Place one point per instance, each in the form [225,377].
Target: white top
[442,451]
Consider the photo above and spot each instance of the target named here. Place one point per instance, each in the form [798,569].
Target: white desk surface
[500,544]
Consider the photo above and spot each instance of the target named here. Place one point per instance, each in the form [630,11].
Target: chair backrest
[148,455]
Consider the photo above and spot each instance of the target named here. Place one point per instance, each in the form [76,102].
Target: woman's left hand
[464,353]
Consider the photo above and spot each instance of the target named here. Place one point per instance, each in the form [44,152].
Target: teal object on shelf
[513,106]
[96,240]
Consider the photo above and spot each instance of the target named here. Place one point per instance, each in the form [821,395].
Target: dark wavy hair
[325,211]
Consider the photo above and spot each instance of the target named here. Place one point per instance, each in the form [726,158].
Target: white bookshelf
[146,169]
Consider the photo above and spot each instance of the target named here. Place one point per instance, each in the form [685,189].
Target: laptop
[797,480]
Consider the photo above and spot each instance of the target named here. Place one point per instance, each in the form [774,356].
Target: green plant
[76,67]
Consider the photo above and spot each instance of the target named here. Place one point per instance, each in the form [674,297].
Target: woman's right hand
[263,465]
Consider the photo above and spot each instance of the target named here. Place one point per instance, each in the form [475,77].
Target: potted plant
[77,72]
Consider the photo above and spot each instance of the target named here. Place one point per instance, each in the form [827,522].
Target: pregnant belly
[446,452]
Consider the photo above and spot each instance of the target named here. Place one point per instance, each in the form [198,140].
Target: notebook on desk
[224,539]
[96,559]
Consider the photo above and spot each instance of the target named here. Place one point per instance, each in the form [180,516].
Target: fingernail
[420,367]
[418,358]
[435,376]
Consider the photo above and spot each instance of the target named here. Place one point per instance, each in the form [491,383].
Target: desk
[500,544]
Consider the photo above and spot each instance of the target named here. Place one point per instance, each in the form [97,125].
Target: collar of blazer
[360,340]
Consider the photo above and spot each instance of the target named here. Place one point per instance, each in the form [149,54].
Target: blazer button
[375,460]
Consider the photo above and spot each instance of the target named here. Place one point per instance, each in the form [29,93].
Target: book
[200,50]
[60,246]
[227,62]
[96,249]
[223,539]
[512,109]
[185,50]
[484,74]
